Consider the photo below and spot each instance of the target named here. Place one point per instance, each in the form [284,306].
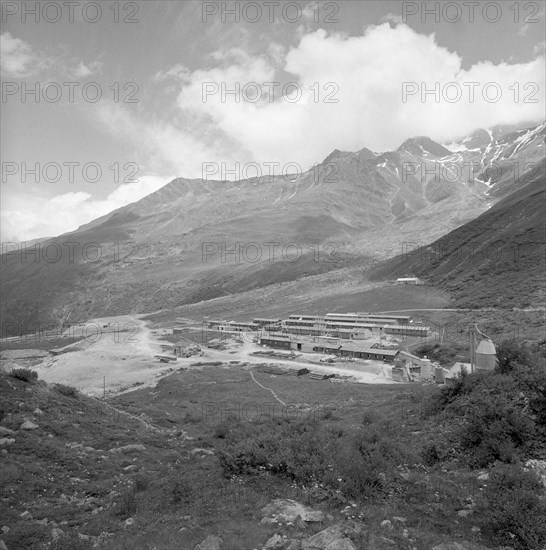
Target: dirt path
[268,389]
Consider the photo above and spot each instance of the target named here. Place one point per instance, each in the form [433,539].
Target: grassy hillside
[203,452]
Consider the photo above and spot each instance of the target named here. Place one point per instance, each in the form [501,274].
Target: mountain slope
[497,259]
[194,240]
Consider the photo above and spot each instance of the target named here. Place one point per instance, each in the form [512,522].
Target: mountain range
[194,240]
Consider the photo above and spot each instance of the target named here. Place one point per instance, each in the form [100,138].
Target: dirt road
[118,353]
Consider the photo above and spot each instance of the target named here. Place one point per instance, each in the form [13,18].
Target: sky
[106,102]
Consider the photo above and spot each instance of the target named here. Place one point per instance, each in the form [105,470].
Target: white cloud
[393,18]
[540,48]
[18,58]
[365,74]
[27,216]
[83,70]
[176,72]
[369,72]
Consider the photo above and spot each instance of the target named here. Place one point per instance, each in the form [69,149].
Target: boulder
[3,545]
[202,451]
[212,542]
[6,431]
[28,425]
[321,540]
[462,545]
[341,544]
[128,449]
[26,515]
[275,542]
[286,510]
[6,441]
[56,533]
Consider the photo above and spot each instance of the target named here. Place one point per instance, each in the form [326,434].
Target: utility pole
[472,349]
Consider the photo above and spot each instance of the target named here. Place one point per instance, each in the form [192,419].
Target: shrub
[495,430]
[126,505]
[69,391]
[182,491]
[513,509]
[308,451]
[192,418]
[511,354]
[221,431]
[26,375]
[499,415]
[329,413]
[369,417]
[430,454]
[141,482]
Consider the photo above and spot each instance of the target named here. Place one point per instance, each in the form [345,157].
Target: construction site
[359,342]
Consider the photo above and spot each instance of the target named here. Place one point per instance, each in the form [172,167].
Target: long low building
[333,346]
[407,330]
[263,322]
[231,326]
[351,331]
[351,349]
[368,318]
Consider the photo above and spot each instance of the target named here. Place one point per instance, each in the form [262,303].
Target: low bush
[26,375]
[141,482]
[192,418]
[495,429]
[69,391]
[357,464]
[513,508]
[182,491]
[498,415]
[126,504]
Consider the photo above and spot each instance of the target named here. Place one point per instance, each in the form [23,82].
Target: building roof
[409,327]
[359,348]
[486,347]
[279,337]
[303,316]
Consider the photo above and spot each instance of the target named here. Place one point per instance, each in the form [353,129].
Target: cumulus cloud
[19,60]
[83,70]
[363,77]
[26,216]
[351,97]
